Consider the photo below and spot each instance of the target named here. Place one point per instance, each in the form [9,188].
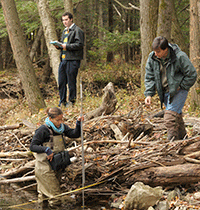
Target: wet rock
[142,196]
[173,194]
[116,204]
[188,198]
[162,205]
[181,208]
[150,208]
[197,195]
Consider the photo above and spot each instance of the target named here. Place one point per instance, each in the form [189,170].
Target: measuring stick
[82,145]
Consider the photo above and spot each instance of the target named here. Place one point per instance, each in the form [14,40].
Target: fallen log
[10,127]
[170,175]
[108,103]
[194,147]
[16,153]
[29,165]
[193,157]
[17,180]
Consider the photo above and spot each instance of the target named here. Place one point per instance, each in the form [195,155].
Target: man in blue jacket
[71,55]
[170,72]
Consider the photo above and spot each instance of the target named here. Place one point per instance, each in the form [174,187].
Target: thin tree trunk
[100,22]
[176,32]
[1,56]
[148,28]
[126,54]
[68,6]
[36,43]
[132,24]
[110,55]
[195,48]
[165,19]
[22,58]
[47,71]
[50,34]
[8,52]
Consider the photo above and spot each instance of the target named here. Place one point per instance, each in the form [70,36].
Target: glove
[48,151]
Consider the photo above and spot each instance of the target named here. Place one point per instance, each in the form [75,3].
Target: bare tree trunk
[100,21]
[1,56]
[176,32]
[68,6]
[47,71]
[36,43]
[110,55]
[126,26]
[50,34]
[195,48]
[22,58]
[165,19]
[148,28]
[8,53]
[132,23]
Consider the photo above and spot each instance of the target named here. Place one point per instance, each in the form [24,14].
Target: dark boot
[43,205]
[182,131]
[171,123]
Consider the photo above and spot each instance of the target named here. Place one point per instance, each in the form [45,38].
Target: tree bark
[23,169]
[170,175]
[36,43]
[165,19]
[17,180]
[22,58]
[8,53]
[68,6]
[50,34]
[110,55]
[1,57]
[148,28]
[195,48]
[108,104]
[47,71]
[176,32]
[100,20]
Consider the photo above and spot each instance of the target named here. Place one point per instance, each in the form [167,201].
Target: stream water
[10,195]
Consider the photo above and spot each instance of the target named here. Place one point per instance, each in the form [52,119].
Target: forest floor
[126,80]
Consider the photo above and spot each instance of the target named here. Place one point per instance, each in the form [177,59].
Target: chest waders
[48,180]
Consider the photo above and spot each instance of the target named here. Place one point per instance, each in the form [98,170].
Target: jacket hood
[175,48]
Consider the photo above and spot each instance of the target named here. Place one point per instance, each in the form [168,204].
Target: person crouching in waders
[170,72]
[51,157]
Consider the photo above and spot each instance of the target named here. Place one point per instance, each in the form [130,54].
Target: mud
[13,198]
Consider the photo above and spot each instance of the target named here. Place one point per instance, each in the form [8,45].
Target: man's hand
[64,46]
[148,100]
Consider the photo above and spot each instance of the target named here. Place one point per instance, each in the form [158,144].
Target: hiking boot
[172,125]
[182,130]
[55,207]
[43,205]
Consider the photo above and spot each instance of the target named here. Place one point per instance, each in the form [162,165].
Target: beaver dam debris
[119,151]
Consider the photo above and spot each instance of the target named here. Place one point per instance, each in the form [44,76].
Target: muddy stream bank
[11,196]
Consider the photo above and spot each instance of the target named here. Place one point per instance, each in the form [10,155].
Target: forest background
[118,38]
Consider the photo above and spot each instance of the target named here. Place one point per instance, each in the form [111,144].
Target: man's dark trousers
[67,74]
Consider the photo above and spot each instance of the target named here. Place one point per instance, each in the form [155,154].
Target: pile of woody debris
[118,151]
